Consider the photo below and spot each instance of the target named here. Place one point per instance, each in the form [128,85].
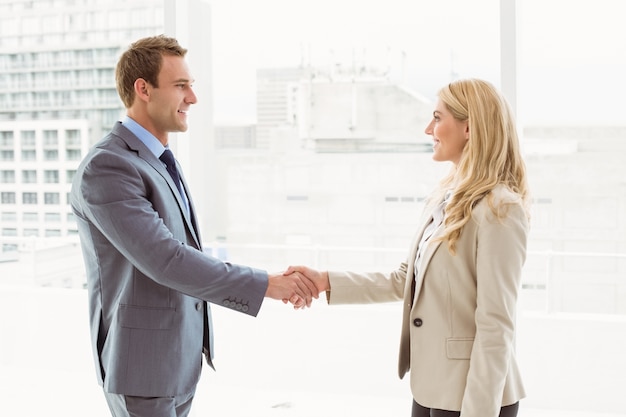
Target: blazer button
[417,322]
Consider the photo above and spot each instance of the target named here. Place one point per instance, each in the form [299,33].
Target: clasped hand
[298,285]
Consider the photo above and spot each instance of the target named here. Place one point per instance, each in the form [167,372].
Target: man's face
[169,103]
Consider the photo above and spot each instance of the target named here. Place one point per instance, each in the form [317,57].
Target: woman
[463,273]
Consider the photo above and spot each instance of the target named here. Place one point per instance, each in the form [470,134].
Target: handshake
[298,285]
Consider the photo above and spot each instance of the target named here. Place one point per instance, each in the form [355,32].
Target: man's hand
[292,288]
[318,278]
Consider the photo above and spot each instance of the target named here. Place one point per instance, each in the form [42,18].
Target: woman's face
[449,134]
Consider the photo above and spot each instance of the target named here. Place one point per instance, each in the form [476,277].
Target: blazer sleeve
[500,255]
[122,199]
[365,288]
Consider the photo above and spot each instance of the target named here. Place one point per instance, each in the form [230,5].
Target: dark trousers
[419,411]
[129,406]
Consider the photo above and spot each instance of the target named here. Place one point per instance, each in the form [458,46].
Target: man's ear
[142,89]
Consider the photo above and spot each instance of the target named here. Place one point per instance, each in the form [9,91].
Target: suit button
[199,306]
[226,303]
[417,322]
[238,306]
[244,308]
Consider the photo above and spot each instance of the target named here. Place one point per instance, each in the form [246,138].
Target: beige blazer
[458,324]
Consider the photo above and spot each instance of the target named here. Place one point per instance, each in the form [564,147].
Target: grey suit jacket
[458,321]
[148,280]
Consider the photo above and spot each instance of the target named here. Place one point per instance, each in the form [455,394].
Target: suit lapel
[190,218]
[144,153]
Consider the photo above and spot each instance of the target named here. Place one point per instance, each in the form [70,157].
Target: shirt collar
[143,135]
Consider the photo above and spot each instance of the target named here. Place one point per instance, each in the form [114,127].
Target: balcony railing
[552,282]
[327,360]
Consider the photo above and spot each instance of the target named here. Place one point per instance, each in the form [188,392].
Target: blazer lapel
[431,246]
[410,273]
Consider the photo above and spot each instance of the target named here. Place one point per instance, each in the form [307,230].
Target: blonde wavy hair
[490,158]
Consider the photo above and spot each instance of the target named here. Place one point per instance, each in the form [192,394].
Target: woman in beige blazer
[462,276]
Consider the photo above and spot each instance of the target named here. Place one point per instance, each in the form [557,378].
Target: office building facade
[57,98]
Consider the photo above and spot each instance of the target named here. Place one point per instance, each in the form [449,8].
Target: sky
[572,54]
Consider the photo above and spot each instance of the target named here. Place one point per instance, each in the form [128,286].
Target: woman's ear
[467,132]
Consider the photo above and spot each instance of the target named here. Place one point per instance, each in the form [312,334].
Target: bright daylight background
[341,361]
[572,53]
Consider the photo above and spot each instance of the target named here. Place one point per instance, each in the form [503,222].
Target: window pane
[30,217]
[28,138]
[29,155]
[7,177]
[7,197]
[29,176]
[51,176]
[29,198]
[9,216]
[6,139]
[52,198]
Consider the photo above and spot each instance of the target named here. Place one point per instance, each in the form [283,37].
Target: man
[148,280]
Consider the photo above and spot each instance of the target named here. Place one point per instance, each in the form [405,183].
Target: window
[51,198]
[72,138]
[30,232]
[53,233]
[29,198]
[69,175]
[50,138]
[6,139]
[51,176]
[9,216]
[51,23]
[28,138]
[9,231]
[30,216]
[29,155]
[29,176]
[51,155]
[52,217]
[7,197]
[7,155]
[41,99]
[72,154]
[7,176]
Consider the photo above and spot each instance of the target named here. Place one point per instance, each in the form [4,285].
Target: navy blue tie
[167,157]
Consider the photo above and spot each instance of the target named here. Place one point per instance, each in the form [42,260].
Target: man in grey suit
[149,283]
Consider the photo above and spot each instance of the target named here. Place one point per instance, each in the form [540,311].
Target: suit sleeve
[500,255]
[119,200]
